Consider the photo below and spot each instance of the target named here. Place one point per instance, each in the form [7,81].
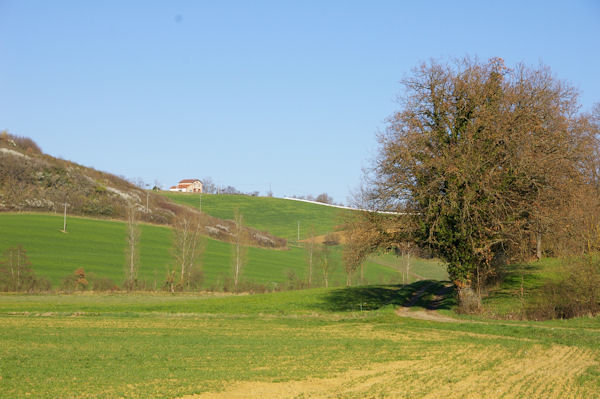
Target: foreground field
[99,247]
[314,343]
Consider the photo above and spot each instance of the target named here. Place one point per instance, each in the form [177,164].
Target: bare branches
[188,249]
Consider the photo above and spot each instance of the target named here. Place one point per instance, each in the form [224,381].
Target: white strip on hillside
[342,207]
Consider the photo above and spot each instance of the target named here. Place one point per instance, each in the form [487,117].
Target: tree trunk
[538,251]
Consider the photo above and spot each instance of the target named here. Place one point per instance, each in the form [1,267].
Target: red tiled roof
[188,180]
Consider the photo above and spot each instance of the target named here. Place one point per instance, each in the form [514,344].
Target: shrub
[331,239]
[195,279]
[76,281]
[101,283]
[293,281]
[16,274]
[575,293]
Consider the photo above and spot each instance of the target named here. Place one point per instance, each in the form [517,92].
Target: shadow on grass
[429,294]
[512,276]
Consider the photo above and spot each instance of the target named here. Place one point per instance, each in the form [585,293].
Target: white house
[188,186]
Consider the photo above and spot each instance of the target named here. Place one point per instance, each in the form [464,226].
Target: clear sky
[254,93]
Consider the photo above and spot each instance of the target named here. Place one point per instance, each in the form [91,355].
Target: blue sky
[254,93]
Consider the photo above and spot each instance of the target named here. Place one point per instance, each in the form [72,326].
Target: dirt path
[428,314]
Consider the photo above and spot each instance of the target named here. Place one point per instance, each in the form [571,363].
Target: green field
[310,343]
[277,216]
[98,246]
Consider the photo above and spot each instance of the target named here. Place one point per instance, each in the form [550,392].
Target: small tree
[309,246]
[354,254]
[209,186]
[326,263]
[188,250]
[360,242]
[239,254]
[404,251]
[324,198]
[15,270]
[76,281]
[132,255]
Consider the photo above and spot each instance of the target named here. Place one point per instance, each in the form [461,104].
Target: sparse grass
[290,344]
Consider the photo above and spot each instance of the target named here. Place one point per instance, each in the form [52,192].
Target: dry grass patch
[494,372]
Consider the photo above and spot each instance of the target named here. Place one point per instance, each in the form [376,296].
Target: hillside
[98,246]
[278,216]
[33,181]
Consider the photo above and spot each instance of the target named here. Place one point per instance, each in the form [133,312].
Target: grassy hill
[98,246]
[278,216]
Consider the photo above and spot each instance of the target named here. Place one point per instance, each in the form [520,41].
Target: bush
[293,281]
[331,239]
[75,281]
[16,274]
[575,293]
[101,283]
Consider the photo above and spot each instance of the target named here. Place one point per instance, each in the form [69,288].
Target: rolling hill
[35,186]
[278,216]
[98,246]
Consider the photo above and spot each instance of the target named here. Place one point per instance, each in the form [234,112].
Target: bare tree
[15,270]
[132,254]
[239,255]
[362,238]
[209,186]
[309,246]
[16,273]
[326,262]
[188,250]
[404,249]
[355,253]
[324,198]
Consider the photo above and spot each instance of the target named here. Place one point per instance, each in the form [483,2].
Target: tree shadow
[512,276]
[432,295]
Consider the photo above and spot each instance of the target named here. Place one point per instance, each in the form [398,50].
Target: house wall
[195,187]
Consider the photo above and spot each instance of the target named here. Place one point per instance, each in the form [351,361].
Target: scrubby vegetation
[33,181]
